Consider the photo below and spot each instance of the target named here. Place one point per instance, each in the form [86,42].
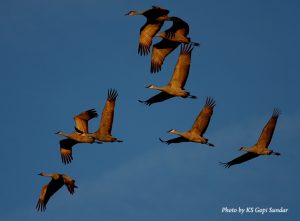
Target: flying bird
[171,39]
[81,123]
[150,28]
[261,147]
[103,134]
[57,181]
[176,85]
[195,134]
[178,32]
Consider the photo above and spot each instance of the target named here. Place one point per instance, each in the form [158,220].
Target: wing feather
[108,113]
[47,191]
[81,120]
[241,159]
[182,67]
[162,96]
[202,121]
[160,51]
[268,130]
[66,150]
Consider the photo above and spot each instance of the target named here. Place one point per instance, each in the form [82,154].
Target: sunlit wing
[162,96]
[202,121]
[241,159]
[81,120]
[147,33]
[182,67]
[47,191]
[160,51]
[66,150]
[108,113]
[267,133]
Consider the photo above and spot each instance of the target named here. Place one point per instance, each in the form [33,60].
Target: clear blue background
[59,58]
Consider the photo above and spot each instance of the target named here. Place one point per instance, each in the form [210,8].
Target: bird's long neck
[156,88]
[52,175]
[62,134]
[136,13]
[175,132]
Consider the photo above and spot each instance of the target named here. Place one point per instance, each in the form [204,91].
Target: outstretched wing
[182,68]
[108,113]
[241,159]
[160,51]
[201,123]
[81,120]
[47,191]
[267,133]
[174,140]
[162,96]
[147,32]
[66,150]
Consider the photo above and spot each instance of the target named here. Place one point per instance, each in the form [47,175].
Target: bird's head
[172,131]
[132,13]
[243,149]
[150,86]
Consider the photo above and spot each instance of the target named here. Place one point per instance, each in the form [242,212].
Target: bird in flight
[150,28]
[81,123]
[176,85]
[171,39]
[103,134]
[261,147]
[57,181]
[195,134]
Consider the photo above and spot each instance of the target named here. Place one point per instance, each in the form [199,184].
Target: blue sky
[59,58]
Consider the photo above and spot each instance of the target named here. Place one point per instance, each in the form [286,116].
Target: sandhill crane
[176,85]
[171,39]
[150,28]
[178,32]
[81,123]
[57,181]
[103,134]
[195,134]
[261,147]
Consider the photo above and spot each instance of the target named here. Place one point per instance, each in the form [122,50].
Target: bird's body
[175,87]
[57,181]
[81,123]
[195,134]
[103,134]
[150,28]
[261,147]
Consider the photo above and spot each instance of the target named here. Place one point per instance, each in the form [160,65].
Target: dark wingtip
[276,112]
[210,144]
[143,50]
[226,165]
[66,159]
[112,94]
[163,141]
[186,48]
[144,102]
[92,113]
[210,102]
